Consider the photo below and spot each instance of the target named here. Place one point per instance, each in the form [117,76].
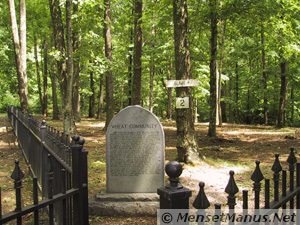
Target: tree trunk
[38,74]
[223,103]
[76,81]
[59,41]
[68,122]
[222,85]
[109,73]
[283,90]
[264,75]
[76,94]
[213,68]
[101,96]
[186,141]
[292,105]
[151,88]
[219,110]
[137,55]
[236,93]
[152,65]
[230,104]
[20,50]
[130,57]
[45,78]
[55,115]
[169,92]
[92,97]
[248,107]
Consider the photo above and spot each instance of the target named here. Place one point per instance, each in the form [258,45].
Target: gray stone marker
[135,147]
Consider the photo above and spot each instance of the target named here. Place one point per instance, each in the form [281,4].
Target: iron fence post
[50,190]
[78,181]
[17,176]
[85,199]
[44,158]
[267,193]
[28,144]
[0,207]
[174,195]
[16,124]
[292,160]
[35,199]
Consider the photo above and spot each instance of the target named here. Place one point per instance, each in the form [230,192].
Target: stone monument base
[124,204]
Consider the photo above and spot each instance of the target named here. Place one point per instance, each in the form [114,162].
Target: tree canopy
[257,66]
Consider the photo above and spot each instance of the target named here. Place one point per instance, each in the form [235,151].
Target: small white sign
[181,83]
[182,103]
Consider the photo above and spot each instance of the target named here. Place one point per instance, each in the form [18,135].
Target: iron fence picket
[267,193]
[0,207]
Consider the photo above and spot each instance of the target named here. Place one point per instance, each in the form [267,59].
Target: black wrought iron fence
[286,187]
[59,167]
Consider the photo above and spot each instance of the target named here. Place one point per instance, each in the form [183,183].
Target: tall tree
[283,92]
[64,67]
[137,54]
[76,80]
[264,74]
[101,96]
[169,92]
[283,66]
[55,115]
[152,66]
[20,50]
[186,141]
[213,67]
[45,73]
[38,74]
[109,73]
[92,97]
[68,82]
[130,63]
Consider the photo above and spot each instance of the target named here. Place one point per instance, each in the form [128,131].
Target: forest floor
[236,148]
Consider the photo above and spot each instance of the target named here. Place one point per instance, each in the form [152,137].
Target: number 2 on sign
[182,103]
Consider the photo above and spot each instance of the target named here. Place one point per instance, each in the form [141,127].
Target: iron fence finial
[292,158]
[257,175]
[17,174]
[81,141]
[201,201]
[276,168]
[231,189]
[173,170]
[75,139]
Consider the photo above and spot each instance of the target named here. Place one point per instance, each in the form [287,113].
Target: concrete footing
[123,204]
